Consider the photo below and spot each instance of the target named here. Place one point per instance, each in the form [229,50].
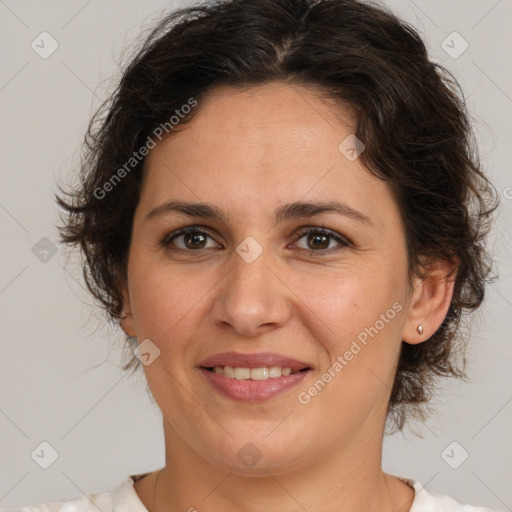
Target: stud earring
[420,329]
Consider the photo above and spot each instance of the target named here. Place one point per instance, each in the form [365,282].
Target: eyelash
[168,239]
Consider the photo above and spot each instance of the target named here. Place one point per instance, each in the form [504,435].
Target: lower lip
[253,391]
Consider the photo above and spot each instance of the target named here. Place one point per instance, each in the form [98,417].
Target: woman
[282,208]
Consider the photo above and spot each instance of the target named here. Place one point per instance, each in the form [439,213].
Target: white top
[125,499]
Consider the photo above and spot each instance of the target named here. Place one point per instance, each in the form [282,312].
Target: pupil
[313,238]
[191,240]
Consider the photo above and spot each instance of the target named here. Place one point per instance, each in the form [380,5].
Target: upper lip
[256,360]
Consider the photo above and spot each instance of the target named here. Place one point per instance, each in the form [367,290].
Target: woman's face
[253,281]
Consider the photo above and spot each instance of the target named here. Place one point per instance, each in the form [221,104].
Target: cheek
[358,324]
[165,301]
[346,304]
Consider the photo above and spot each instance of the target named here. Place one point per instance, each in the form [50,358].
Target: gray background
[59,364]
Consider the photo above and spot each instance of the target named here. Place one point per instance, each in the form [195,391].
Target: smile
[262,373]
[253,378]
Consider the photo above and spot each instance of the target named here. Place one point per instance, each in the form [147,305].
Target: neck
[348,479]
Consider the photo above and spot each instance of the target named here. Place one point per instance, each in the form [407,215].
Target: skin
[249,151]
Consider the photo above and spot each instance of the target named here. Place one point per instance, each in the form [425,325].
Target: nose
[252,298]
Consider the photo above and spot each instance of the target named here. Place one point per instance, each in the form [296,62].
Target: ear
[431,298]
[126,322]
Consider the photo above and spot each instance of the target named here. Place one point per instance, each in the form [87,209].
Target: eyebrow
[299,209]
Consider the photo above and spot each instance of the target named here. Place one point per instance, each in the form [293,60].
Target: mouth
[260,373]
[253,378]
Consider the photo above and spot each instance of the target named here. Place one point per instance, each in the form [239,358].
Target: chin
[257,455]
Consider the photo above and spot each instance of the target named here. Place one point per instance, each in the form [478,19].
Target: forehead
[270,143]
[264,118]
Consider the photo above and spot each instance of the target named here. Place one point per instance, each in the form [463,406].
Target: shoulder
[89,503]
[428,501]
[122,499]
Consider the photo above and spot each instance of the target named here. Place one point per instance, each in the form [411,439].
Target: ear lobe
[430,301]
[126,322]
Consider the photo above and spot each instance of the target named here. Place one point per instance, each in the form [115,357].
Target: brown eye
[318,240]
[194,240]
[188,239]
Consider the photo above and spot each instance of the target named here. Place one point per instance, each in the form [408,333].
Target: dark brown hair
[410,114]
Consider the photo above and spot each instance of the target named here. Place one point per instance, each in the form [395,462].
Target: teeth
[263,373]
[274,371]
[242,373]
[229,371]
[259,373]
